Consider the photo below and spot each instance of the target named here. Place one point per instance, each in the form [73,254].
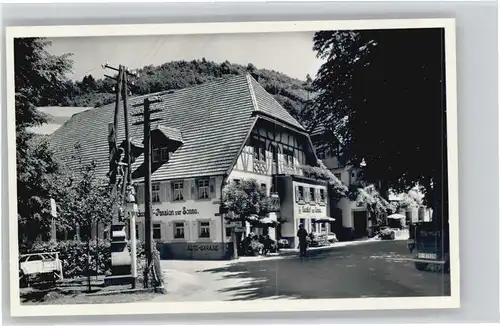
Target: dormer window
[160,154]
[164,154]
[156,155]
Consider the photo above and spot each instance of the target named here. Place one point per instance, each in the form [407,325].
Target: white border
[395,303]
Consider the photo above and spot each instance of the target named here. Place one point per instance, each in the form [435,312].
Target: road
[373,269]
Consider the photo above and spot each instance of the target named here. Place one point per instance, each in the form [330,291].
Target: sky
[289,53]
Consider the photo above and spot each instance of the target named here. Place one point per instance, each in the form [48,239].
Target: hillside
[291,93]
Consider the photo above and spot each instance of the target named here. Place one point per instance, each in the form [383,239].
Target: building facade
[209,135]
[352,220]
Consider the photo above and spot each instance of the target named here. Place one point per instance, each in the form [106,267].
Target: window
[263,186]
[338,176]
[156,231]
[301,193]
[179,230]
[312,194]
[320,153]
[156,155]
[313,225]
[155,192]
[274,152]
[160,154]
[178,187]
[322,195]
[204,229]
[203,189]
[164,154]
[259,150]
[288,156]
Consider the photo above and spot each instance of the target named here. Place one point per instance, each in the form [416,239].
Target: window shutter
[140,194]
[168,191]
[317,195]
[187,233]
[163,192]
[326,195]
[212,188]
[169,231]
[297,193]
[186,189]
[212,229]
[307,194]
[192,183]
[194,230]
[164,231]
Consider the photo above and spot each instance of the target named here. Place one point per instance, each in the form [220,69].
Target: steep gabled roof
[211,119]
[267,104]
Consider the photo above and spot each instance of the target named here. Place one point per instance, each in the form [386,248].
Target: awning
[264,221]
[396,216]
[324,219]
[267,220]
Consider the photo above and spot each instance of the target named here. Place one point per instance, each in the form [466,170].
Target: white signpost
[53,212]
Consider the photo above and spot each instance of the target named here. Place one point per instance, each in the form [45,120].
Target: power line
[158,49]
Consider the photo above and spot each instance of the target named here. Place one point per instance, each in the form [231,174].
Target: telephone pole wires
[121,178]
[146,114]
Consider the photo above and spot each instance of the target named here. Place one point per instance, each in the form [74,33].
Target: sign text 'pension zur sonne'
[169,212]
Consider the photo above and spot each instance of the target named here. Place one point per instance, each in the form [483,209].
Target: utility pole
[122,185]
[147,179]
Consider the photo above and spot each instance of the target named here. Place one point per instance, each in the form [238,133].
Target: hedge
[73,255]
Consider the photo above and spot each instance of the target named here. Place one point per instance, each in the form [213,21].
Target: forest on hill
[293,94]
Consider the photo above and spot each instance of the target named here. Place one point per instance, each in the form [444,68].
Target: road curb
[333,247]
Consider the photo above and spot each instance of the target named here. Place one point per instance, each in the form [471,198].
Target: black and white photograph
[288,166]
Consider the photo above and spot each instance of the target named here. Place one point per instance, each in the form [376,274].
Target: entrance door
[360,224]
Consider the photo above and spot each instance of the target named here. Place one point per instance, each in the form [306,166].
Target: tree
[84,201]
[35,168]
[39,80]
[246,202]
[385,102]
[376,206]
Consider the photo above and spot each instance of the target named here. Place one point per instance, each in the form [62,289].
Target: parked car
[283,243]
[45,266]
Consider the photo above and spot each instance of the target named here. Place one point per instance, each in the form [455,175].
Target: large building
[209,135]
[352,220]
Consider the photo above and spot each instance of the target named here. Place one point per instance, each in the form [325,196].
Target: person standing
[302,235]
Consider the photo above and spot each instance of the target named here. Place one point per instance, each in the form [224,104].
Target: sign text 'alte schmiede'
[170,212]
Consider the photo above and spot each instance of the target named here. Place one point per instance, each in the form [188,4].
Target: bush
[73,255]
